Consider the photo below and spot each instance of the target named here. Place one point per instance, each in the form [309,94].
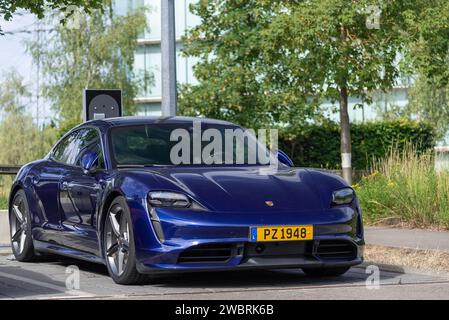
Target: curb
[5,249]
[403,269]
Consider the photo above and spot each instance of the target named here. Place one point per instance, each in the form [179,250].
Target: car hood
[245,188]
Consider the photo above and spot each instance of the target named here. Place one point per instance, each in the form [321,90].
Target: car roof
[133,120]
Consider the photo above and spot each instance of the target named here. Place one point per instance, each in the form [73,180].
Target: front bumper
[187,233]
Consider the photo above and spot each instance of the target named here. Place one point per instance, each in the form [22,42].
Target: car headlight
[342,196]
[167,199]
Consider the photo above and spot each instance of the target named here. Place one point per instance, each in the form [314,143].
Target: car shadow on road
[239,278]
[248,279]
[19,283]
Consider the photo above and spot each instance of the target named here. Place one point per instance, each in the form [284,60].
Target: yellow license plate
[281,233]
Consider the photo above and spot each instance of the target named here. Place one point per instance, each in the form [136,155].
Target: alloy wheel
[19,225]
[117,240]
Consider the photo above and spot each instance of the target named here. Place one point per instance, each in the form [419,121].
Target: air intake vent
[336,249]
[220,252]
[359,231]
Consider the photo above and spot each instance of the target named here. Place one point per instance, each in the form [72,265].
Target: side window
[63,152]
[89,140]
[73,147]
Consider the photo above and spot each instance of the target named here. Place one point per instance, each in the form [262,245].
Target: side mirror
[284,158]
[89,162]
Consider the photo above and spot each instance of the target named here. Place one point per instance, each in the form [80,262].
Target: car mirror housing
[89,162]
[284,158]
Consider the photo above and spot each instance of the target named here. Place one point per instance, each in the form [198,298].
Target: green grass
[406,187]
[5,186]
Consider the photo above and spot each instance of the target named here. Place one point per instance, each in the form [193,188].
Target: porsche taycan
[113,191]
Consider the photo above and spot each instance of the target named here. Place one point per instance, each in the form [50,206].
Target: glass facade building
[148,57]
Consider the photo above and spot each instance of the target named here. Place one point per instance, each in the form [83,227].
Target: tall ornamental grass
[405,186]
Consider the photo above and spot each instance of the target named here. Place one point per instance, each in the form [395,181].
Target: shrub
[319,145]
[406,186]
[5,187]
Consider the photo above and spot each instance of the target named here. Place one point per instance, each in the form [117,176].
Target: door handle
[65,186]
[102,183]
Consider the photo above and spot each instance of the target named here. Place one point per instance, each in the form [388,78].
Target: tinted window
[151,145]
[64,151]
[94,146]
[141,145]
[74,146]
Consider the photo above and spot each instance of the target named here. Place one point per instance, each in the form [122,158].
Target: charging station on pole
[102,103]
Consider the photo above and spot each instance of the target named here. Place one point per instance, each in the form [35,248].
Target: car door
[80,194]
[46,186]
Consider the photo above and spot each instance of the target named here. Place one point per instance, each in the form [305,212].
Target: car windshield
[186,144]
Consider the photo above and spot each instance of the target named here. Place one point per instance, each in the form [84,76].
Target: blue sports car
[109,192]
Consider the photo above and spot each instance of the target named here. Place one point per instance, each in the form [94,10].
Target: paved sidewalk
[47,280]
[408,238]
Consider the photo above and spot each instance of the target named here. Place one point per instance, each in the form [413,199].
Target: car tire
[20,228]
[122,243]
[325,272]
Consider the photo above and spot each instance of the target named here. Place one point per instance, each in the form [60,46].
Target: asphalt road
[47,280]
[408,238]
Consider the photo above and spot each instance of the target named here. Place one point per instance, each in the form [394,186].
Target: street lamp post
[168,52]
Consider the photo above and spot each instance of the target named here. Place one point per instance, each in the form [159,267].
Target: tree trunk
[345,136]
[345,131]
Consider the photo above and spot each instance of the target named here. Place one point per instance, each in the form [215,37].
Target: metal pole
[168,57]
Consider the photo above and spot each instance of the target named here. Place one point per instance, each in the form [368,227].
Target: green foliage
[265,63]
[274,61]
[13,92]
[318,145]
[21,140]
[405,187]
[429,102]
[99,54]
[5,187]
[427,31]
[238,80]
[8,7]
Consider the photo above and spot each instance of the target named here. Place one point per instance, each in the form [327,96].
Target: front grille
[335,249]
[211,252]
[278,249]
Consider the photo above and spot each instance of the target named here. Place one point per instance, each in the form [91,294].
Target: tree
[8,7]
[99,53]
[428,59]
[13,93]
[429,102]
[237,82]
[306,51]
[20,139]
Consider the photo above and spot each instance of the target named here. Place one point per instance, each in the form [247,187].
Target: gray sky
[13,55]
[12,48]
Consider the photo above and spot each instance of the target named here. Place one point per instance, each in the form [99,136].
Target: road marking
[69,293]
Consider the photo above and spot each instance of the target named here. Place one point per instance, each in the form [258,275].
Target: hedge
[319,145]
